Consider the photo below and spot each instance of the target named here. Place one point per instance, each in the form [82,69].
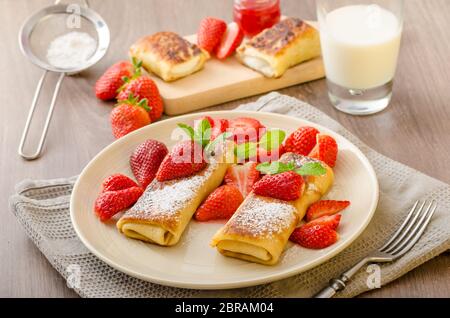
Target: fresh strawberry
[210,33]
[230,41]
[185,159]
[221,204]
[219,127]
[144,87]
[243,177]
[146,159]
[286,186]
[116,182]
[301,141]
[246,129]
[325,207]
[332,221]
[326,150]
[107,85]
[128,116]
[110,203]
[314,235]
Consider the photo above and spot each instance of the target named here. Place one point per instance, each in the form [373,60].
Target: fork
[398,245]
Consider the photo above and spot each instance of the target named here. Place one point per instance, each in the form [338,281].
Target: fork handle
[338,284]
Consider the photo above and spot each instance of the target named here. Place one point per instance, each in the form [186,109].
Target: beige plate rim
[277,274]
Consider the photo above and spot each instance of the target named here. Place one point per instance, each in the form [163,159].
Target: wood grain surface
[414,130]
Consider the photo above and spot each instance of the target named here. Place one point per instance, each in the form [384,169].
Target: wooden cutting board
[222,81]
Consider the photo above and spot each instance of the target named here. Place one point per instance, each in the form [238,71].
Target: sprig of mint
[276,167]
[271,140]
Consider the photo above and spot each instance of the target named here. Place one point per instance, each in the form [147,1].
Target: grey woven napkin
[42,207]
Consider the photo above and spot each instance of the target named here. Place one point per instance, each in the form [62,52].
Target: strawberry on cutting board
[210,33]
[143,87]
[185,159]
[110,203]
[220,204]
[128,116]
[107,85]
[317,234]
[146,159]
[243,177]
[324,208]
[230,41]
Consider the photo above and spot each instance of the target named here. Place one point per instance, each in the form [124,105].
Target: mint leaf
[202,134]
[187,129]
[311,169]
[272,139]
[246,150]
[275,167]
[211,147]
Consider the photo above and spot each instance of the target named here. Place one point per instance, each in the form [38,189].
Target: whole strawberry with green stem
[129,115]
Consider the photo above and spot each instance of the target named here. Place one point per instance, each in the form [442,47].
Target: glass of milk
[360,46]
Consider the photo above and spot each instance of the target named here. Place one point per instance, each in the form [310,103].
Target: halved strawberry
[246,129]
[326,150]
[325,207]
[210,33]
[270,156]
[116,182]
[332,221]
[230,41]
[286,186]
[219,127]
[315,236]
[185,159]
[301,141]
[110,203]
[242,177]
[220,204]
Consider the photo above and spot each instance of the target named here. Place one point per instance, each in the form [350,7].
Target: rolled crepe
[162,213]
[259,230]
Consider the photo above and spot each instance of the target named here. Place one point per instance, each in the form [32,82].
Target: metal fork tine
[418,217]
[412,239]
[401,227]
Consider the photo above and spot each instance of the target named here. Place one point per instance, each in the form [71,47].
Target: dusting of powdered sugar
[263,217]
[164,200]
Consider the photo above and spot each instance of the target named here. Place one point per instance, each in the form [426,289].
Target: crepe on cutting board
[259,230]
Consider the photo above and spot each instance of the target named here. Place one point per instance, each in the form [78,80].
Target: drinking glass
[360,42]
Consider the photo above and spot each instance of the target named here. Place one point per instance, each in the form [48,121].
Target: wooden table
[414,130]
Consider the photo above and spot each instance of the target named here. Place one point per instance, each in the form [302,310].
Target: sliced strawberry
[326,150]
[210,33]
[185,159]
[269,156]
[116,182]
[301,141]
[246,129]
[219,127]
[286,186]
[230,41]
[146,159]
[242,177]
[314,236]
[110,203]
[221,204]
[325,207]
[332,221]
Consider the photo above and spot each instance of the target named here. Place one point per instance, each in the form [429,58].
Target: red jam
[253,16]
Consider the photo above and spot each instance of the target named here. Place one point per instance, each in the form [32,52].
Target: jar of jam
[253,16]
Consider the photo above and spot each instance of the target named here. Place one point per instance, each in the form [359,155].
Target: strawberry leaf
[246,150]
[275,167]
[272,139]
[311,169]
[187,129]
[202,134]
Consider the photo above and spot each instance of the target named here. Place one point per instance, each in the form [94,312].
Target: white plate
[192,263]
